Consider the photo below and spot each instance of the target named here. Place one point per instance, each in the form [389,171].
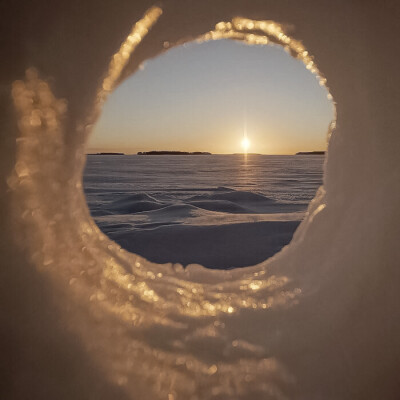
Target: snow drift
[178,219]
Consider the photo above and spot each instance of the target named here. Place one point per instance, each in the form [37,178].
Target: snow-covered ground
[219,211]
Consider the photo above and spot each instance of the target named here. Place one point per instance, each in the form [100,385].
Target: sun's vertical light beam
[245,143]
[245,140]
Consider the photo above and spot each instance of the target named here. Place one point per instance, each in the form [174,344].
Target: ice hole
[253,107]
[320,312]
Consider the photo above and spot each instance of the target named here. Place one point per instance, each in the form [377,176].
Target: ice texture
[171,208]
[82,318]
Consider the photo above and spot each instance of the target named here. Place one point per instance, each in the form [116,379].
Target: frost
[320,312]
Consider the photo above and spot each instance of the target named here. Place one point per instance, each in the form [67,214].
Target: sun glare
[245,144]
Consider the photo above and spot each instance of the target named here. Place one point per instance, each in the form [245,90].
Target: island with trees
[310,153]
[173,153]
[105,154]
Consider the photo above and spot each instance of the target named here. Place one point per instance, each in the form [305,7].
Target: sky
[206,97]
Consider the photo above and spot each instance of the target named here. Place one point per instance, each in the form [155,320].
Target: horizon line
[90,152]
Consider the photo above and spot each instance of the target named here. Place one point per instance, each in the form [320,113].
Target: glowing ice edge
[153,322]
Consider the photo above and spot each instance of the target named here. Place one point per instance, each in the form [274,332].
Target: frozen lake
[221,211]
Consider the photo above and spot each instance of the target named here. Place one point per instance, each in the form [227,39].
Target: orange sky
[203,97]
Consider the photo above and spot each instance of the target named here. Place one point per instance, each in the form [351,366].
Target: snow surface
[220,211]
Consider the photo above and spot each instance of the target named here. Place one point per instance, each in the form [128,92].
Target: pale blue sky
[199,97]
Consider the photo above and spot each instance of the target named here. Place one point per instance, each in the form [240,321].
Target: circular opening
[253,108]
[176,315]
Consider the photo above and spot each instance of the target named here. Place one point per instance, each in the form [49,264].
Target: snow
[178,218]
[83,318]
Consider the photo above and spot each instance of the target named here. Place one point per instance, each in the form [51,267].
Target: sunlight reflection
[121,58]
[239,29]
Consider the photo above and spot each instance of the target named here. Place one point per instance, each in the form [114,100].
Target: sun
[245,144]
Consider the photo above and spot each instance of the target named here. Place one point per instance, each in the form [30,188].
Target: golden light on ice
[126,293]
[245,144]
